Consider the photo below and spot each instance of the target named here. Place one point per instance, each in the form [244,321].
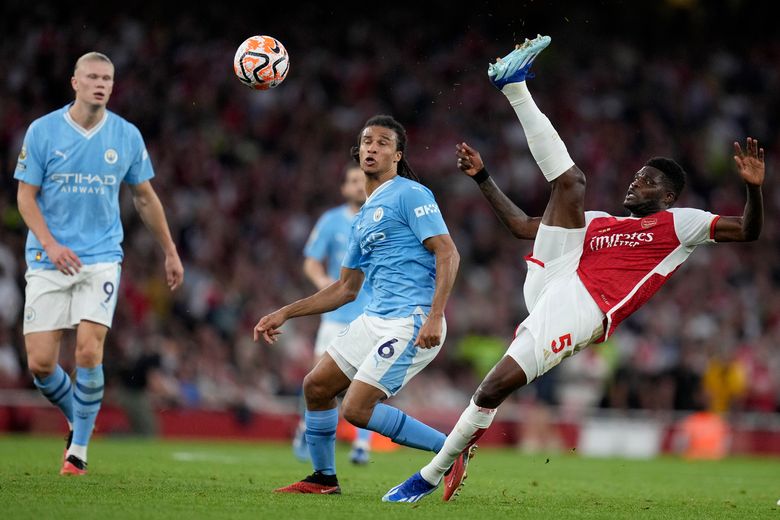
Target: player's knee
[572,179]
[89,354]
[41,368]
[315,391]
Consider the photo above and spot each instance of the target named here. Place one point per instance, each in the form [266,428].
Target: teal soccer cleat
[514,67]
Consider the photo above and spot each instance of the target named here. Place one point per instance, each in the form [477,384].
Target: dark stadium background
[244,175]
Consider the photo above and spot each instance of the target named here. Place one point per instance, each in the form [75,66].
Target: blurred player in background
[70,169]
[324,253]
[402,248]
[588,270]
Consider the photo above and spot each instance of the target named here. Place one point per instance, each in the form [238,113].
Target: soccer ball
[261,62]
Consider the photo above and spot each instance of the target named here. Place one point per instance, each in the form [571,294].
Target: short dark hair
[674,175]
[389,122]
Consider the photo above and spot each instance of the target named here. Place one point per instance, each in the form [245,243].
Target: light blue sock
[87,397]
[58,389]
[392,422]
[364,436]
[321,438]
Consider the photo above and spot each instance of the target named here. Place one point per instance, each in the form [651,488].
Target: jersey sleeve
[419,208]
[694,226]
[352,256]
[317,245]
[141,166]
[590,215]
[30,167]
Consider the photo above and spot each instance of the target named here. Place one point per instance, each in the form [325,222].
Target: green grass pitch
[176,479]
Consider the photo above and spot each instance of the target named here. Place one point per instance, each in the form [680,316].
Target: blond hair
[92,56]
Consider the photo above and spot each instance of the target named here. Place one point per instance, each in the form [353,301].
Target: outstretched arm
[342,291]
[751,167]
[515,219]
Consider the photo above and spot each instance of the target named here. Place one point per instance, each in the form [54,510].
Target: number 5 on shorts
[563,342]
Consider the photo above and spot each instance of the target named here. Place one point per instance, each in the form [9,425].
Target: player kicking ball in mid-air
[588,270]
[401,246]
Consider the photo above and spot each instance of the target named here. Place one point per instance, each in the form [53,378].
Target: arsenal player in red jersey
[589,270]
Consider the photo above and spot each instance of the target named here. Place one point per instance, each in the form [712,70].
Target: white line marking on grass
[190,456]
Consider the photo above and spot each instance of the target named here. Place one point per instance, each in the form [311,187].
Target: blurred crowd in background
[244,175]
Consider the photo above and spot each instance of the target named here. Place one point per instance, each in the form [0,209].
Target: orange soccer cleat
[316,484]
[73,466]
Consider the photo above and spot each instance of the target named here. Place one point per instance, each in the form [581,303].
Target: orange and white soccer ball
[261,62]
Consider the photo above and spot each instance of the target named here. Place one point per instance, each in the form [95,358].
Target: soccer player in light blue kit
[401,246]
[324,253]
[69,171]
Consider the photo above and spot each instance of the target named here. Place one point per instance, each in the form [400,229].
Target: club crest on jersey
[648,222]
[111,156]
[378,214]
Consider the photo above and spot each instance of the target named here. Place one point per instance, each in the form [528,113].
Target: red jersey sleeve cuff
[712,226]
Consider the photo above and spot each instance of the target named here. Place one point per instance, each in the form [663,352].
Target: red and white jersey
[625,260]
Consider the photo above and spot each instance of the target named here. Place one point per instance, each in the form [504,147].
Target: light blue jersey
[328,241]
[79,172]
[386,244]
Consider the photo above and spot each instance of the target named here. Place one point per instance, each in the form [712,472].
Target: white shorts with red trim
[563,318]
[556,254]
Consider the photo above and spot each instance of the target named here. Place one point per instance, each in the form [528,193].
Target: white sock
[471,421]
[78,451]
[361,444]
[546,146]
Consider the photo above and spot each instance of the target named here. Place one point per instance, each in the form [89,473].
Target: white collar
[89,134]
[380,188]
